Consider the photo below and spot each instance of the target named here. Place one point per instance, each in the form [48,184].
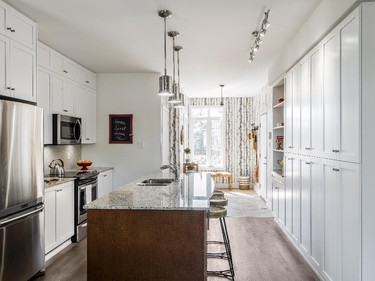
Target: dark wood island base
[163,245]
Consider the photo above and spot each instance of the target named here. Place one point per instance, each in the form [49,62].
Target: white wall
[136,94]
[324,17]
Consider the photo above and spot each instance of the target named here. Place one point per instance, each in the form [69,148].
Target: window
[206,136]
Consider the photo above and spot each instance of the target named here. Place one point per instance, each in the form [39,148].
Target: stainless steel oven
[85,192]
[66,129]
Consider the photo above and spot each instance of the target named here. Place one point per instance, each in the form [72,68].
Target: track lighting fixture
[257,34]
[165,81]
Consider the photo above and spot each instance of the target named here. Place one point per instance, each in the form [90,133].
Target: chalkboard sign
[121,128]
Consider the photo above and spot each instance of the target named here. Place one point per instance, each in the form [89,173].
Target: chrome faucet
[174,169]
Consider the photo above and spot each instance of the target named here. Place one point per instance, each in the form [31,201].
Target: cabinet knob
[276,187]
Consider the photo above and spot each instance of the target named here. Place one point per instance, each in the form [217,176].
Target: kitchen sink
[156,182]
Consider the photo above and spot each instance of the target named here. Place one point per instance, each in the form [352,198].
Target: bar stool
[218,201]
[218,193]
[219,212]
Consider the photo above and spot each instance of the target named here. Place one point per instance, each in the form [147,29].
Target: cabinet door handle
[12,89]
[9,28]
[290,146]
[335,170]
[276,187]
[87,139]
[9,88]
[105,176]
[290,158]
[87,82]
[12,30]
[335,150]
[65,71]
[65,110]
[308,148]
[308,163]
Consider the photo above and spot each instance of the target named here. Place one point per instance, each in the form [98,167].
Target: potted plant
[187,154]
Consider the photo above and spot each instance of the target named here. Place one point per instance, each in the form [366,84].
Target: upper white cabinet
[17,27]
[305,105]
[44,90]
[22,72]
[86,77]
[17,55]
[72,90]
[62,65]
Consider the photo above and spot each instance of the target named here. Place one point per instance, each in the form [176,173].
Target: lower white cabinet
[59,215]
[342,221]
[104,183]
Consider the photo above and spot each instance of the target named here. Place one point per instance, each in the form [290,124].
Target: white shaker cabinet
[349,137]
[305,106]
[22,72]
[44,84]
[4,65]
[44,58]
[63,92]
[316,102]
[292,111]
[59,212]
[62,65]
[104,183]
[341,97]
[342,221]
[17,27]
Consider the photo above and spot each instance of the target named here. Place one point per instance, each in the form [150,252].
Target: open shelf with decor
[278,127]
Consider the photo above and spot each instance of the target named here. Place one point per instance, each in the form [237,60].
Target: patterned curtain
[239,115]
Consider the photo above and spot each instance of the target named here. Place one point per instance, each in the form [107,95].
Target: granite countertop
[192,192]
[52,181]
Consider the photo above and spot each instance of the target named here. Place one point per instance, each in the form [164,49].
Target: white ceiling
[127,36]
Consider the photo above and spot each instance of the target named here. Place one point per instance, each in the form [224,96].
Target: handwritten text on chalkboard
[121,128]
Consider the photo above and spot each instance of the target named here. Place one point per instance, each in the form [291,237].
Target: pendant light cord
[165,46]
[174,72]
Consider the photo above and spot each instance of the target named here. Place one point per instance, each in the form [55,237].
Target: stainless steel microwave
[66,129]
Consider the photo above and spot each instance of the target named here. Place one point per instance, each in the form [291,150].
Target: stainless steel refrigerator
[21,191]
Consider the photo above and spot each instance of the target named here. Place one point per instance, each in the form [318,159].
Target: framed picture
[121,128]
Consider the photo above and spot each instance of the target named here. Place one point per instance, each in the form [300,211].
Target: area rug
[246,203]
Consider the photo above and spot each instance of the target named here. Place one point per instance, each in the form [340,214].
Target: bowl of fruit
[84,164]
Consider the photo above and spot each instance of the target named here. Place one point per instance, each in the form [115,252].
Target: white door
[350,93]
[65,212]
[305,107]
[262,161]
[57,93]
[22,71]
[4,66]
[316,61]
[44,80]
[91,117]
[305,168]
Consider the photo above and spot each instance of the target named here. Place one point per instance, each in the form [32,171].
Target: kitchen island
[150,232]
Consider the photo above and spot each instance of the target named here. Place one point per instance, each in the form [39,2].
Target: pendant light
[174,99]
[165,81]
[180,95]
[221,96]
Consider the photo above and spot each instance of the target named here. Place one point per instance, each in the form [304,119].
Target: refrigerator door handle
[9,220]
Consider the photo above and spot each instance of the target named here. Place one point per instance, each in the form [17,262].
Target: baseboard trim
[58,249]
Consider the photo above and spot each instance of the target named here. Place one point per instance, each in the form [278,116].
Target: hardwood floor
[259,248]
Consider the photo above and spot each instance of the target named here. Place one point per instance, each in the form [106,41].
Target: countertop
[192,192]
[50,181]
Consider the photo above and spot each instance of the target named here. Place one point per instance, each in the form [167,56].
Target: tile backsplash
[70,154]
